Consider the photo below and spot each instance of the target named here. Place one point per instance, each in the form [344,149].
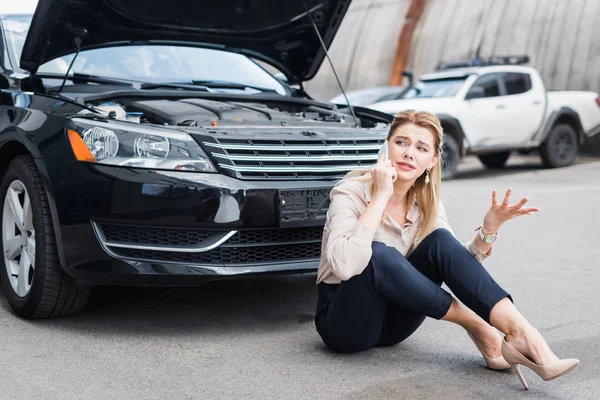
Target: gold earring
[427,177]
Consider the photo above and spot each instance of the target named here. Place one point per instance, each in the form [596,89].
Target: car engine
[202,112]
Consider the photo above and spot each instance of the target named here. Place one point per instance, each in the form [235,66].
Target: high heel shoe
[498,363]
[546,372]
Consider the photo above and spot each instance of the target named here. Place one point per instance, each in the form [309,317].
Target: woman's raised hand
[499,213]
[384,176]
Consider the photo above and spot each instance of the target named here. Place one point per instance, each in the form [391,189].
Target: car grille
[285,159]
[255,246]
[152,235]
[277,236]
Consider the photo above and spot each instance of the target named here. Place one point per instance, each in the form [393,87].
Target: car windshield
[149,63]
[434,88]
[15,30]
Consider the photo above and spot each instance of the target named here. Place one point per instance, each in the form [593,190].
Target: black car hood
[278,32]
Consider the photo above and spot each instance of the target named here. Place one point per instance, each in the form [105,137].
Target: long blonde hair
[427,194]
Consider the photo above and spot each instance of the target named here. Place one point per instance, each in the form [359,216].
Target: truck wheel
[494,160]
[31,276]
[560,147]
[450,157]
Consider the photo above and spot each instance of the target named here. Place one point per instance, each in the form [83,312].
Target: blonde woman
[387,248]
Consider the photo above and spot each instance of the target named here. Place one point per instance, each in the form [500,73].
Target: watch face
[490,239]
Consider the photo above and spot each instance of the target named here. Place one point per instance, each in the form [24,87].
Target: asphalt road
[255,338]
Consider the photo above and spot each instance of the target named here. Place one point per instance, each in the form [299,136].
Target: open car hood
[278,32]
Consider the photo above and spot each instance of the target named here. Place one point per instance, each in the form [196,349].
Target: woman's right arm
[348,248]
[352,226]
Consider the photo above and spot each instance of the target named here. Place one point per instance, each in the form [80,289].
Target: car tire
[560,147]
[450,157]
[494,160]
[32,279]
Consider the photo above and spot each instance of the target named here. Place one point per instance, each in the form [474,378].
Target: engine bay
[193,112]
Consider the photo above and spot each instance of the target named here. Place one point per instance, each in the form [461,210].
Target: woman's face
[412,151]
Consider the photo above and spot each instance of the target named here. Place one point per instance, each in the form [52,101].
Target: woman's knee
[441,237]
[378,248]
[385,262]
[383,255]
[441,234]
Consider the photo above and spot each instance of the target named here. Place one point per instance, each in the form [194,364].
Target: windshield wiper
[77,78]
[204,85]
[174,85]
[232,85]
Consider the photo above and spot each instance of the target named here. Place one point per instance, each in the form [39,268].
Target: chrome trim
[252,157]
[240,268]
[292,168]
[208,244]
[228,269]
[265,244]
[308,266]
[251,147]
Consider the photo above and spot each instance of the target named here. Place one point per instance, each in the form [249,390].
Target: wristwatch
[487,238]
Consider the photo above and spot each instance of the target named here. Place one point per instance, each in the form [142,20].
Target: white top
[346,245]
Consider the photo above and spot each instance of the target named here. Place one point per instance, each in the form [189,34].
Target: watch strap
[484,236]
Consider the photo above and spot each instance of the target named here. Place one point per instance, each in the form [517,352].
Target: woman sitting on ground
[387,248]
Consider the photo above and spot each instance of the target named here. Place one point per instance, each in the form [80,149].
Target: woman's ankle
[505,317]
[521,331]
[477,326]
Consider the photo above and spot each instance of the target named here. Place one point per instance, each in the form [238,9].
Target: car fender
[14,141]
[562,115]
[456,130]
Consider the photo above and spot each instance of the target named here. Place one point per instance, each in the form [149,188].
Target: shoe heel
[515,368]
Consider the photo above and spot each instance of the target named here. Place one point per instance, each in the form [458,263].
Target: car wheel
[32,279]
[495,160]
[450,157]
[560,147]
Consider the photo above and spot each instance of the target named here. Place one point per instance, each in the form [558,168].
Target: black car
[148,145]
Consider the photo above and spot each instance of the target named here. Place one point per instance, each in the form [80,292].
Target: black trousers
[390,299]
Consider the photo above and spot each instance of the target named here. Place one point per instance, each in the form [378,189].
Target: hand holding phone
[383,151]
[384,174]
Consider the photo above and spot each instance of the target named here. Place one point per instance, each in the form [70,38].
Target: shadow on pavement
[477,172]
[472,168]
[232,306]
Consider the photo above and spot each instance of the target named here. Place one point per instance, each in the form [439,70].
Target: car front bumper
[122,226]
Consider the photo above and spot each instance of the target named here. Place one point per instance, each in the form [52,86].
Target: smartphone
[383,150]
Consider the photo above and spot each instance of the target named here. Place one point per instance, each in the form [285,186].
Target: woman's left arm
[498,214]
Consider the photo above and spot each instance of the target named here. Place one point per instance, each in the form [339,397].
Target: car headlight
[136,146]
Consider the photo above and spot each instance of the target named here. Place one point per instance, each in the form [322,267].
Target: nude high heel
[546,372]
[498,363]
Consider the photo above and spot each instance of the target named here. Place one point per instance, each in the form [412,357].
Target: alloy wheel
[18,238]
[564,146]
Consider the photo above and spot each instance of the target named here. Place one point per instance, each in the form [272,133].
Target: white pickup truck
[492,111]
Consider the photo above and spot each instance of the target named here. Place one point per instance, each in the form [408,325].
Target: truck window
[489,83]
[434,88]
[516,83]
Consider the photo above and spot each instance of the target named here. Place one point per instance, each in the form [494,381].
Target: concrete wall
[363,49]
[560,36]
